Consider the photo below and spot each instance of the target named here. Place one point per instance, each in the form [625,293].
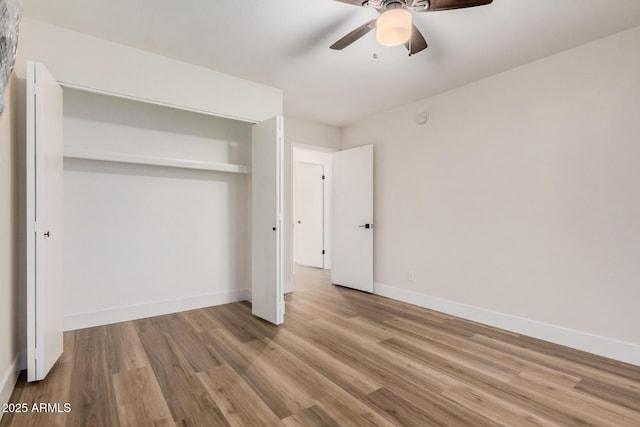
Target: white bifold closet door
[352,231]
[44,186]
[267,293]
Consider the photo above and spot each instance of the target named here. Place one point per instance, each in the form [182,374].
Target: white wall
[325,159]
[8,245]
[517,203]
[304,132]
[88,61]
[143,240]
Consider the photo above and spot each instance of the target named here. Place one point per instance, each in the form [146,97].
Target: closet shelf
[142,159]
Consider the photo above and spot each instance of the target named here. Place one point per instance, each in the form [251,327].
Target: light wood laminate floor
[343,358]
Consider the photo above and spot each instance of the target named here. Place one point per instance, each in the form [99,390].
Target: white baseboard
[156,308]
[8,381]
[603,346]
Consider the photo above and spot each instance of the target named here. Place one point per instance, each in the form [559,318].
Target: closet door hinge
[323,252]
[322,176]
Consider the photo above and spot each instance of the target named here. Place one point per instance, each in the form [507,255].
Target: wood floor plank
[475,362]
[342,358]
[230,323]
[210,417]
[324,309]
[559,363]
[360,327]
[611,393]
[297,315]
[347,307]
[140,400]
[314,416]
[282,397]
[91,392]
[402,412]
[238,402]
[521,396]
[606,413]
[495,408]
[186,344]
[247,359]
[399,376]
[465,346]
[318,302]
[469,328]
[125,349]
[182,391]
[228,346]
[391,308]
[198,320]
[341,405]
[342,374]
[600,363]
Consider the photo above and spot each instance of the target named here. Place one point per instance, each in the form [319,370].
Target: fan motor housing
[395,4]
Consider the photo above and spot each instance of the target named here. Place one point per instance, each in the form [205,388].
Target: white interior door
[352,234]
[44,222]
[308,208]
[267,294]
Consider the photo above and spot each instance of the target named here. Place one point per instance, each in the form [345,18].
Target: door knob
[46,234]
[366,226]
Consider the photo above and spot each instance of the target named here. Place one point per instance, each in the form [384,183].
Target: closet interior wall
[145,239]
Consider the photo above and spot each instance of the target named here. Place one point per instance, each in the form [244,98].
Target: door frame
[289,285]
[323,213]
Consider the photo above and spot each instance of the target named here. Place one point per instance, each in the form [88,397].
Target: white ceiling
[285,43]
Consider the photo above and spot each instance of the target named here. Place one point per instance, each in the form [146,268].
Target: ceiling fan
[394,26]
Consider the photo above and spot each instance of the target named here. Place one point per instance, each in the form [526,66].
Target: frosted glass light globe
[393,27]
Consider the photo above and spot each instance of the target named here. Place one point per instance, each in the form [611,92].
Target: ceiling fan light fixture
[393,27]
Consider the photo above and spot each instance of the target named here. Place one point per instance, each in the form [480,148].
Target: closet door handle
[47,234]
[366,226]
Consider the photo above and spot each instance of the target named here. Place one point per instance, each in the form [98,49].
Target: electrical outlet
[410,276]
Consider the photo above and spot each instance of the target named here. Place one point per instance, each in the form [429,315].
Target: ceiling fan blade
[435,5]
[416,43]
[354,35]
[353,2]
